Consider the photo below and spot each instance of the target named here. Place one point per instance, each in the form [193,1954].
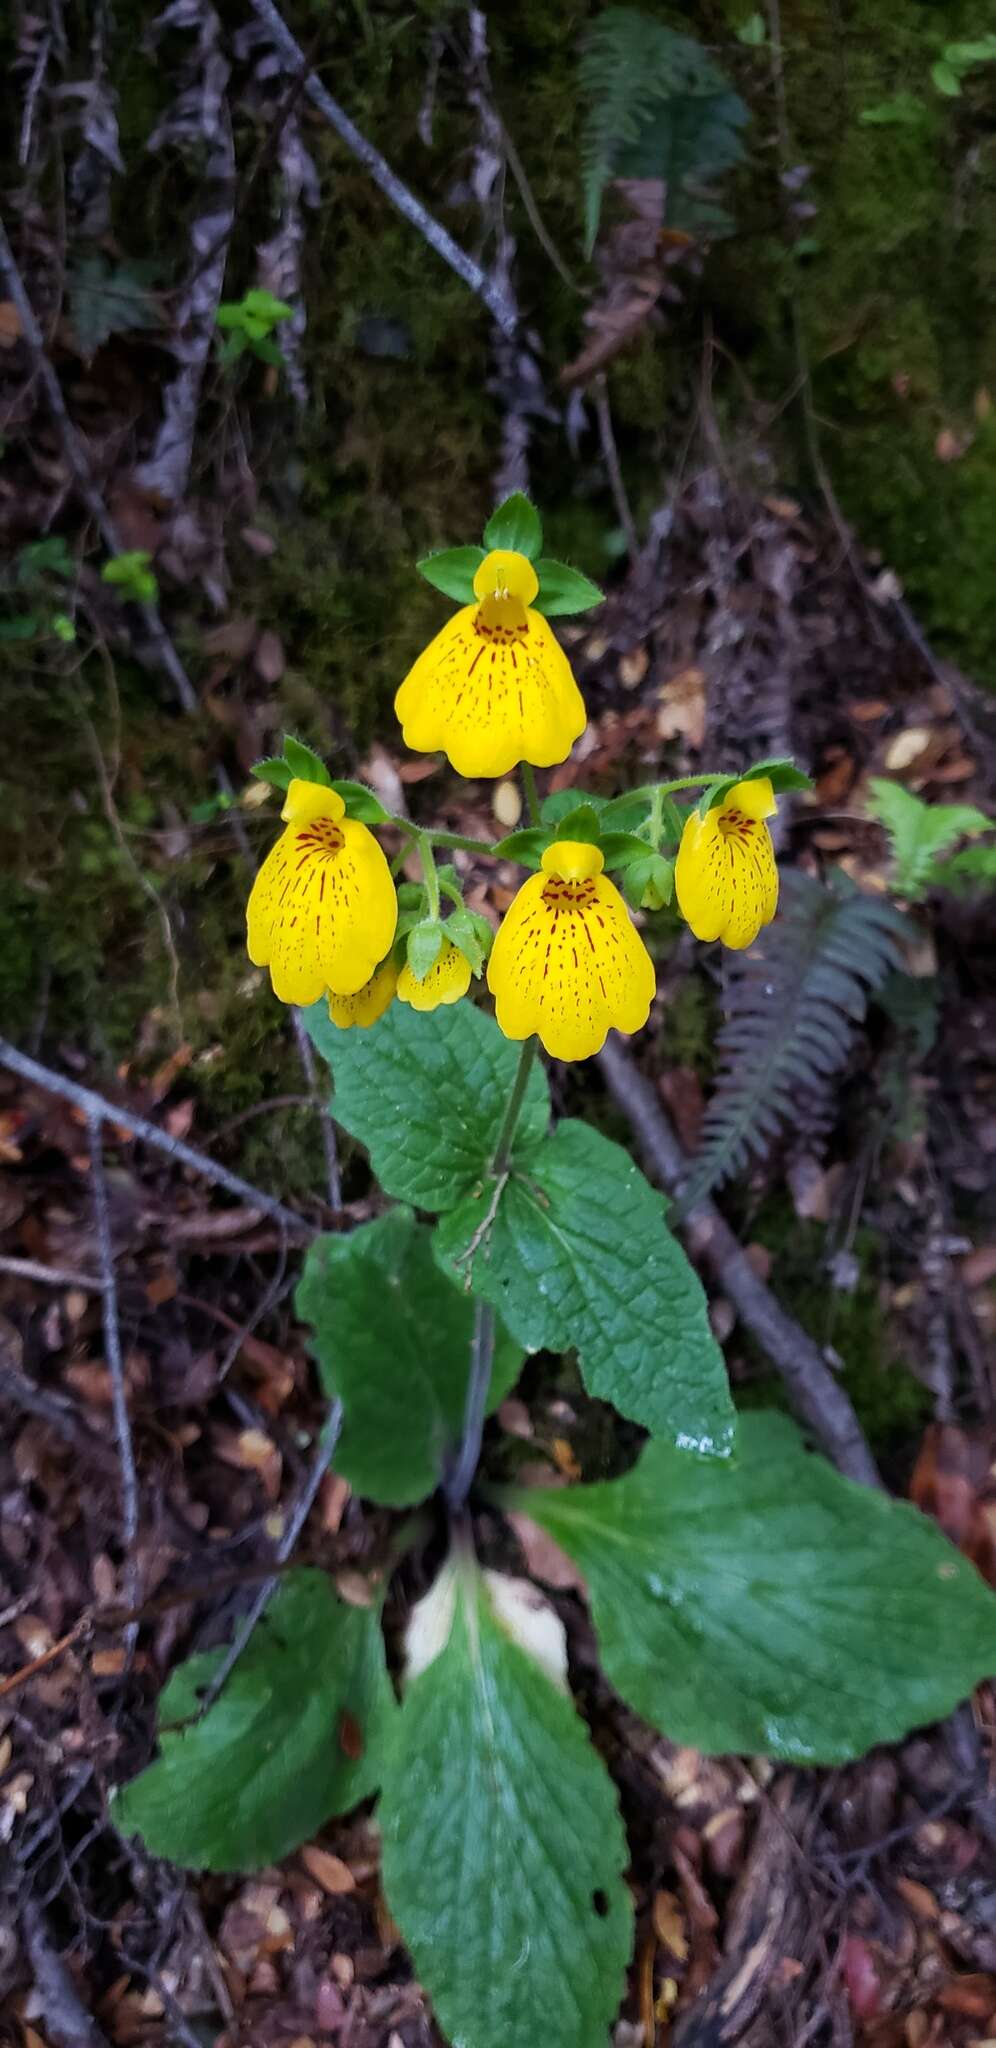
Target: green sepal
[516,525]
[304,764]
[273,769]
[649,883]
[563,590]
[581,824]
[462,929]
[452,571]
[361,803]
[782,774]
[527,846]
[425,943]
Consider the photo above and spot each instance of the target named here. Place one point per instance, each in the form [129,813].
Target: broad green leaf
[303,762]
[503,1848]
[946,79]
[425,943]
[392,1337]
[563,590]
[921,832]
[266,1767]
[361,803]
[621,849]
[130,573]
[273,769]
[527,846]
[106,299]
[561,801]
[464,929]
[769,1606]
[427,1094]
[452,571]
[627,813]
[579,1254]
[516,524]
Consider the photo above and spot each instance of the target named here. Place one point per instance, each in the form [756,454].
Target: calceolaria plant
[744,1597]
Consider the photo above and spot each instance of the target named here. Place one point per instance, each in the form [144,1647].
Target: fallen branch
[97,1107]
[382,174]
[816,1396]
[67,2022]
[115,1366]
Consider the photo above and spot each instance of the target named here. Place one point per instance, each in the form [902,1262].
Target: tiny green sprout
[131,575]
[250,323]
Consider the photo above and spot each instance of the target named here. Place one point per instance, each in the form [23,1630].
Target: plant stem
[458,839]
[506,1136]
[685,782]
[429,875]
[482,1349]
[529,786]
[458,1481]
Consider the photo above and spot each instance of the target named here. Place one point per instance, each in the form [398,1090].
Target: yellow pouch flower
[369,1002]
[323,907]
[725,876]
[568,962]
[494,687]
[446,982]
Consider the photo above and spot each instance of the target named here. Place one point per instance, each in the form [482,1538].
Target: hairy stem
[506,1136]
[429,875]
[529,786]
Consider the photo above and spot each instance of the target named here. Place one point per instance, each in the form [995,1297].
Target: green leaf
[768,1606]
[392,1337]
[426,1094]
[516,524]
[581,823]
[753,32]
[106,299]
[649,884]
[920,832]
[425,943]
[964,55]
[904,110]
[621,849]
[563,590]
[627,813]
[560,801]
[62,627]
[41,558]
[463,930]
[782,774]
[452,570]
[946,79]
[23,626]
[973,868]
[503,1848]
[527,846]
[268,351]
[130,573]
[273,769]
[579,1254]
[304,764]
[361,803]
[265,1768]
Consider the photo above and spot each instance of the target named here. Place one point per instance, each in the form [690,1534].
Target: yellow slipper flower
[446,982]
[323,907]
[568,962]
[494,687]
[369,1002]
[725,876]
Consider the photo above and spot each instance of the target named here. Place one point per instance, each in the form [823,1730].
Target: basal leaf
[767,1605]
[426,1094]
[503,1848]
[392,1336]
[579,1254]
[265,1767]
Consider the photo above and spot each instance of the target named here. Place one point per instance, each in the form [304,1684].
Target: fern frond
[793,1004]
[658,107]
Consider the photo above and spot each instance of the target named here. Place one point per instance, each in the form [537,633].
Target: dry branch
[816,1397]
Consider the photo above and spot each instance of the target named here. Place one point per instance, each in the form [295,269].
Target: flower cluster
[494,690]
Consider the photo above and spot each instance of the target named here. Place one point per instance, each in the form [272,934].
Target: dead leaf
[906,748]
[10,323]
[669,1925]
[334,1876]
[545,1558]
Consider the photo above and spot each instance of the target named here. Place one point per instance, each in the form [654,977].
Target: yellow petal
[369,1002]
[569,964]
[491,691]
[504,573]
[446,982]
[323,907]
[725,876]
[306,801]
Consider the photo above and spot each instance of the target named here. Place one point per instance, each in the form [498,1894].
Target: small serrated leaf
[515,525]
[425,943]
[527,846]
[273,769]
[304,764]
[582,824]
[361,803]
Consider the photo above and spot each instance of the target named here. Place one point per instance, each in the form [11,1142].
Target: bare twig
[51,1276]
[115,1366]
[67,2023]
[382,174]
[328,1128]
[817,1398]
[610,456]
[96,1106]
[296,1520]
